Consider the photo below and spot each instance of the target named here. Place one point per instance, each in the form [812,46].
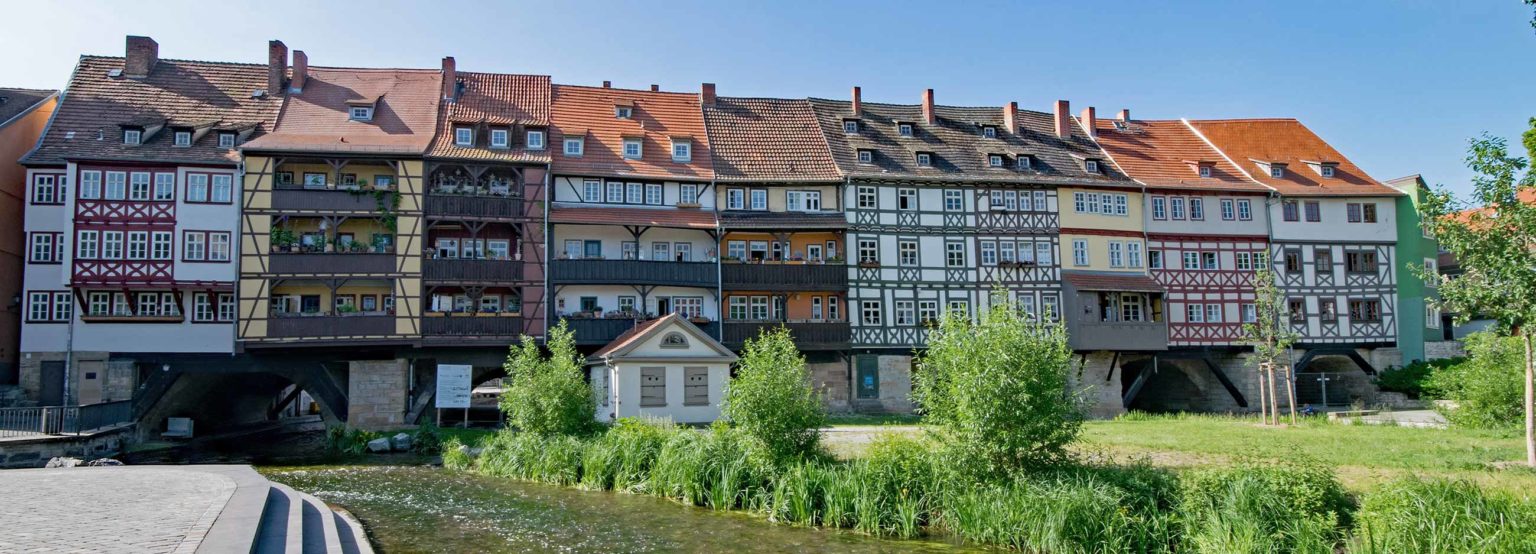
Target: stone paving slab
[128,509]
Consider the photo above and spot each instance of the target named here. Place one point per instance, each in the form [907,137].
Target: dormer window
[1277,171]
[463,136]
[994,160]
[682,150]
[904,129]
[574,147]
[1024,162]
[1205,171]
[1091,166]
[851,126]
[226,140]
[988,131]
[132,136]
[632,148]
[624,112]
[500,138]
[1326,171]
[183,138]
[361,113]
[924,159]
[866,156]
[535,140]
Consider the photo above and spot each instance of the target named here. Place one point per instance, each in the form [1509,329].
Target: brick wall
[1439,350]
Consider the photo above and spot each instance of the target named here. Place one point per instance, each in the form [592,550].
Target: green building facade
[1418,320]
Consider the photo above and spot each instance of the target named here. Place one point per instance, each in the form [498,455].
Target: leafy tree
[1486,392]
[1494,241]
[1270,333]
[548,396]
[998,390]
[771,397]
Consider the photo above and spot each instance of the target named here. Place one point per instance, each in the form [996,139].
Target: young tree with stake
[1271,337]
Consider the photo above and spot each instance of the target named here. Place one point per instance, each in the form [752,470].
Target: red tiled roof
[495,99]
[631,335]
[1127,282]
[1167,154]
[1287,141]
[316,120]
[659,217]
[768,139]
[658,117]
[95,106]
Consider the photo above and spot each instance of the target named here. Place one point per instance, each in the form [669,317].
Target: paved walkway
[1407,418]
[111,509]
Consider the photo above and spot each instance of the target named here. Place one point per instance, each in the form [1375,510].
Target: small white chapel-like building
[665,368]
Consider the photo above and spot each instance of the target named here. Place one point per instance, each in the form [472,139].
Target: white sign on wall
[453,385]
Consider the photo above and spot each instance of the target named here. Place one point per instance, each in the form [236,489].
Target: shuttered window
[653,386]
[695,386]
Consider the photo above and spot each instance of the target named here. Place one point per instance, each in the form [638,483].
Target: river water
[429,509]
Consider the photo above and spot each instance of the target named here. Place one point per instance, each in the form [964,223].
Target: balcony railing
[603,331]
[1117,335]
[807,334]
[787,276]
[339,200]
[639,272]
[471,270]
[318,326]
[331,263]
[64,420]
[474,206]
[472,326]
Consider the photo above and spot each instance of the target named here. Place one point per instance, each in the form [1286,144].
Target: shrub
[1263,507]
[349,441]
[720,468]
[426,439]
[1451,517]
[999,391]
[1057,515]
[1486,386]
[454,456]
[771,397]
[548,396]
[1410,379]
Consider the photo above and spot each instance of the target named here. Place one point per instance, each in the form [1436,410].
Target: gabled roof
[958,147]
[96,106]
[627,341]
[768,139]
[1252,143]
[495,99]
[1168,154]
[16,101]
[658,118]
[317,120]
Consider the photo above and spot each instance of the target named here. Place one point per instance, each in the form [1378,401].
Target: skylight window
[682,150]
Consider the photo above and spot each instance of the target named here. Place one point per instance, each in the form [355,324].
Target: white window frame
[182,139]
[592,191]
[501,138]
[866,156]
[653,194]
[633,148]
[534,140]
[132,136]
[954,254]
[221,188]
[1228,210]
[360,113]
[906,253]
[227,140]
[735,199]
[867,198]
[851,126]
[574,147]
[1080,252]
[924,159]
[904,129]
[682,151]
[954,200]
[757,199]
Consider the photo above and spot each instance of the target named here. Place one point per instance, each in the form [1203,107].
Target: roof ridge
[1243,119]
[176,60]
[504,74]
[622,89]
[376,69]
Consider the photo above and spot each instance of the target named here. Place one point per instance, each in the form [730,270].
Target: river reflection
[424,509]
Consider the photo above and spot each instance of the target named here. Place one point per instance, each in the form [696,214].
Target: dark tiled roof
[1168,154]
[317,119]
[768,139]
[782,220]
[657,217]
[657,118]
[176,92]
[1248,141]
[958,147]
[1097,281]
[495,99]
[14,101]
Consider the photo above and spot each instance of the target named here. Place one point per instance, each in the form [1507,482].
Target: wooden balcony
[1117,335]
[331,263]
[636,272]
[602,331]
[323,200]
[322,326]
[468,325]
[459,270]
[827,335]
[474,206]
[783,276]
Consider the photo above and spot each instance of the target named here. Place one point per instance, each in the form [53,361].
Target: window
[1277,171]
[833,309]
[197,187]
[803,200]
[1122,204]
[1043,253]
[1244,261]
[1352,212]
[869,251]
[226,140]
[866,198]
[165,186]
[1079,252]
[988,131]
[869,313]
[47,189]
[632,148]
[464,136]
[1155,259]
[1327,310]
[1191,260]
[100,303]
[759,199]
[1197,209]
[904,129]
[361,113]
[1365,310]
[954,254]
[850,126]
[1213,313]
[927,311]
[1011,200]
[624,112]
[1116,254]
[682,150]
[183,139]
[132,136]
[1293,261]
[39,306]
[1159,207]
[1289,211]
[1091,166]
[46,248]
[1227,213]
[1022,162]
[218,247]
[112,245]
[90,186]
[994,160]
[1326,171]
[866,156]
[1362,213]
[86,247]
[500,138]
[906,313]
[194,246]
[758,310]
[737,309]
[1360,262]
[138,245]
[1176,207]
[1250,313]
[1005,252]
[574,147]
[536,140]
[1208,261]
[1314,212]
[592,190]
[688,192]
[1205,171]
[1080,202]
[1432,268]
[653,194]
[1130,307]
[223,187]
[116,185]
[1244,210]
[1133,254]
[1050,305]
[959,307]
[924,159]
[906,253]
[735,199]
[1298,310]
[906,199]
[953,201]
[1431,317]
[615,192]
[138,186]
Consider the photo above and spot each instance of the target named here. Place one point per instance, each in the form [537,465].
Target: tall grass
[1446,517]
[1264,508]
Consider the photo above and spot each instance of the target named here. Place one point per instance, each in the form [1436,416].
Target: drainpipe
[719,281]
[69,356]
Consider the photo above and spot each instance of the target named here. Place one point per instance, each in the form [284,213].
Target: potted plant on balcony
[869,263]
[346,309]
[283,239]
[835,260]
[688,205]
[698,320]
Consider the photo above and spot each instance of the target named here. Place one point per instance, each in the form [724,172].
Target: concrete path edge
[236,528]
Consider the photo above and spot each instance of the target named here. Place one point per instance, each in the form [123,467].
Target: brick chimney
[928,107]
[1125,115]
[858,102]
[142,53]
[607,84]
[1011,111]
[450,79]
[1090,119]
[277,66]
[300,72]
[707,95]
[655,88]
[1063,119]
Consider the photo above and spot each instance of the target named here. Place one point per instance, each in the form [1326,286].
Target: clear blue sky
[1399,87]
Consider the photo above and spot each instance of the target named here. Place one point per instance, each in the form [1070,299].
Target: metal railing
[64,420]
